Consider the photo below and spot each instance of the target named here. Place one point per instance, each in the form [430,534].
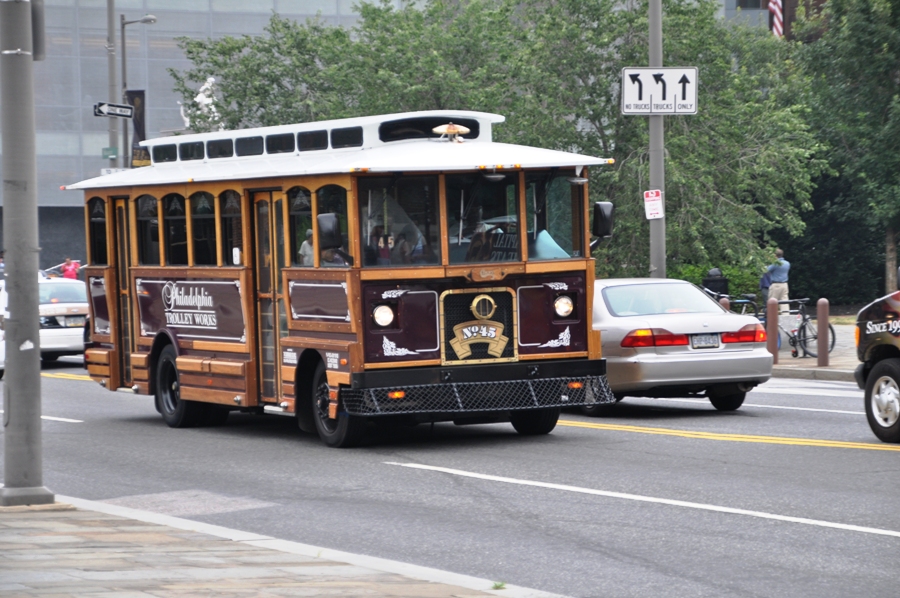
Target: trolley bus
[401,266]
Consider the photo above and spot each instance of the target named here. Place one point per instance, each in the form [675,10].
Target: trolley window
[220,148]
[555,212]
[165,153]
[97,230]
[301,227]
[312,140]
[280,144]
[483,218]
[332,199]
[148,230]
[175,221]
[248,146]
[399,220]
[347,137]
[203,223]
[232,235]
[191,151]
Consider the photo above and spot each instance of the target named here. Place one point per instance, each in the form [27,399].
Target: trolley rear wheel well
[161,342]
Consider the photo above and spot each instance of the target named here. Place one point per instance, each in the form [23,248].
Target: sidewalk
[841,361]
[88,548]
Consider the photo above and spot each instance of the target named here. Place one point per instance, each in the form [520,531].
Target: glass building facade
[74,76]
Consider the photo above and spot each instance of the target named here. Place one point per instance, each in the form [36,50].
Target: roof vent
[451,132]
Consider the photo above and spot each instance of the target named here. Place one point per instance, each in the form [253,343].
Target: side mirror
[329,232]
[604,215]
[330,235]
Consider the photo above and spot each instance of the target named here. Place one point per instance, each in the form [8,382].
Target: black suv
[878,347]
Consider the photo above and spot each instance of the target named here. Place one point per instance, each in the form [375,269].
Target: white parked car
[63,308]
[667,338]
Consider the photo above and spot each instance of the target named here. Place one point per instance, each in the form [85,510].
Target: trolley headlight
[383,315]
[563,306]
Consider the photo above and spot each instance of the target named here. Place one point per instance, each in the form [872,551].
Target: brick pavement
[842,360]
[58,550]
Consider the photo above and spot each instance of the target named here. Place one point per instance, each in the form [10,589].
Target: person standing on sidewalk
[779,275]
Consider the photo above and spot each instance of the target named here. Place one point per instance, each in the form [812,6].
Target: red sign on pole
[653,206]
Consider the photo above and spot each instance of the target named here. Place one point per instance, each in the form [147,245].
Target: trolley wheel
[533,422]
[808,336]
[883,400]
[601,409]
[346,430]
[730,402]
[177,413]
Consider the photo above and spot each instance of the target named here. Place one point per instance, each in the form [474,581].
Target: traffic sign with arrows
[659,90]
[119,110]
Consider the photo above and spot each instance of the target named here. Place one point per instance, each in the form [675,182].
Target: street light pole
[657,152]
[22,450]
[145,20]
[111,70]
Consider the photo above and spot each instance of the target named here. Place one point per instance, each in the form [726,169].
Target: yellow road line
[67,376]
[732,437]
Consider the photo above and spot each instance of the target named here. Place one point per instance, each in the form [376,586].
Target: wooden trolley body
[201,255]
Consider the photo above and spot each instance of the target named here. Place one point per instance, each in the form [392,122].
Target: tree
[852,56]
[739,170]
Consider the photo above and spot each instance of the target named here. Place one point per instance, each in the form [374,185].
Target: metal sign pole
[22,452]
[111,72]
[657,152]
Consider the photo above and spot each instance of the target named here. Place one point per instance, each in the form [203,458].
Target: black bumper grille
[467,397]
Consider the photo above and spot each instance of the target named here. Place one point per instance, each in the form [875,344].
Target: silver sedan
[667,338]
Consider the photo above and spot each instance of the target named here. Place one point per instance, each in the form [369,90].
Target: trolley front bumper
[477,388]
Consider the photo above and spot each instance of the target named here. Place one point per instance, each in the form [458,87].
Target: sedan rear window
[62,293]
[663,298]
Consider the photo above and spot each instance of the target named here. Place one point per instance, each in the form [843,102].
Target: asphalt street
[791,495]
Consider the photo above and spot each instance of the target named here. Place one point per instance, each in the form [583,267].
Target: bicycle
[805,335]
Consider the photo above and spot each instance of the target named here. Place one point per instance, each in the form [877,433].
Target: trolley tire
[731,402]
[176,412]
[215,415]
[345,431]
[601,409]
[305,406]
[884,379]
[808,336]
[534,422]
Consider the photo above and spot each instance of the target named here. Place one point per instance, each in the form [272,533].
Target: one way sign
[659,90]
[107,109]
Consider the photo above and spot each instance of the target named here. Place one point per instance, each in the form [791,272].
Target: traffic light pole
[657,152]
[22,453]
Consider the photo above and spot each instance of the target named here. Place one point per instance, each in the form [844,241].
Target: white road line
[59,419]
[655,500]
[705,401]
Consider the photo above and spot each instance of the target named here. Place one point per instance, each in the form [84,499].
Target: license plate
[74,321]
[705,341]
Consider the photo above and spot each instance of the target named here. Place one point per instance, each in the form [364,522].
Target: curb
[813,373]
[262,541]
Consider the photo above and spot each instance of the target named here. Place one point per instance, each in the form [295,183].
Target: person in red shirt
[70,269]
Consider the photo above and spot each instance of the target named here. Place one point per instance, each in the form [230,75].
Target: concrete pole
[126,163]
[22,456]
[111,70]
[657,152]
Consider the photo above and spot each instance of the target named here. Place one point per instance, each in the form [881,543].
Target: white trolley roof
[375,155]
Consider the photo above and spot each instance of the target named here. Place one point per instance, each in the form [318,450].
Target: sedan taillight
[751,333]
[653,337]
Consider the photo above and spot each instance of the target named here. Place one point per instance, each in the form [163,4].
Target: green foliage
[740,280]
[738,172]
[852,57]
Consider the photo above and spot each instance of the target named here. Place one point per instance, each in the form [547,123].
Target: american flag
[777,21]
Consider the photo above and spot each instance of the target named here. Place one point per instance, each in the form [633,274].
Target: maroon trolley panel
[196,309]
